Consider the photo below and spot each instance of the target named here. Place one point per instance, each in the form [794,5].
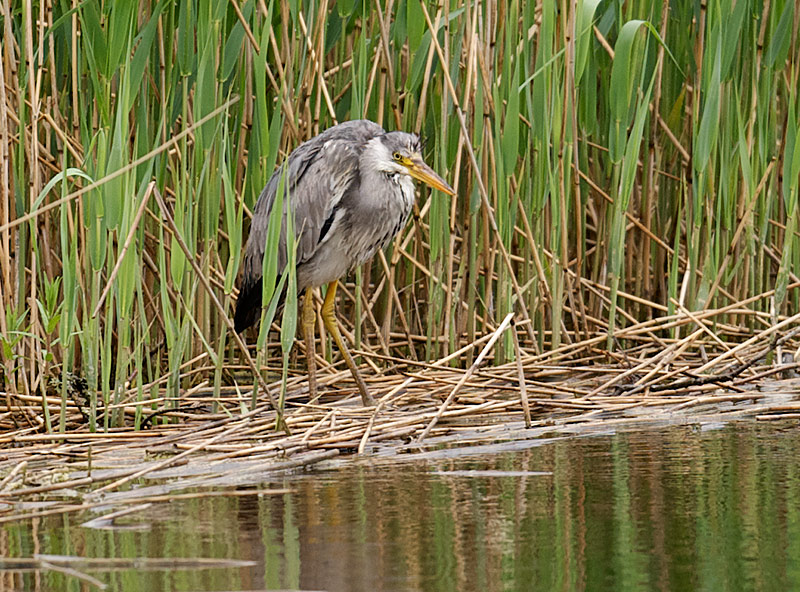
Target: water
[680,508]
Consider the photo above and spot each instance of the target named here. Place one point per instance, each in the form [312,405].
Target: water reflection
[675,509]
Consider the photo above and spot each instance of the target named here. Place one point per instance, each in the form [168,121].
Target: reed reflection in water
[681,508]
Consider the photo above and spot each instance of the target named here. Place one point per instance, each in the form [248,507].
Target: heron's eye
[397,156]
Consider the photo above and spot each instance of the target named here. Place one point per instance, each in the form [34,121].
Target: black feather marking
[326,226]
[248,306]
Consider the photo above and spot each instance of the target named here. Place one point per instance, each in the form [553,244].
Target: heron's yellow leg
[329,318]
[309,318]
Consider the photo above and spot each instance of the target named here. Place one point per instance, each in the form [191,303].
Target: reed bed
[426,411]
[624,235]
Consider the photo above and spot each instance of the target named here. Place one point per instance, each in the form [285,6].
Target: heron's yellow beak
[421,171]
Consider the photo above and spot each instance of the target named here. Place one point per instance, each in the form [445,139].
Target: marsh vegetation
[626,175]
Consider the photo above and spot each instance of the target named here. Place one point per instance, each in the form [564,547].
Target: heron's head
[401,153]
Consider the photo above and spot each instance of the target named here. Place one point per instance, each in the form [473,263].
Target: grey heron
[351,192]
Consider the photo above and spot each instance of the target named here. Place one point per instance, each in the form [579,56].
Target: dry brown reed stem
[484,352]
[250,37]
[754,339]
[368,430]
[13,473]
[756,376]
[397,304]
[700,324]
[774,416]
[319,69]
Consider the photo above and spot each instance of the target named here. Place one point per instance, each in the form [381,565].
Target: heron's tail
[248,306]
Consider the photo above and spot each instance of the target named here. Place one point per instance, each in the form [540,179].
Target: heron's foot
[366,398]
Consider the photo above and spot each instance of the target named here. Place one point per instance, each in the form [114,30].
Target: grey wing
[317,197]
[319,172]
